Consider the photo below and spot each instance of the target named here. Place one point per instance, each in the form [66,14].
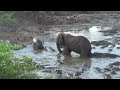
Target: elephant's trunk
[58,46]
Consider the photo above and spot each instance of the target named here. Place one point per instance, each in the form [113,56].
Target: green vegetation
[12,68]
[6,18]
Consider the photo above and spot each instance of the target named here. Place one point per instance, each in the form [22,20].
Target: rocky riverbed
[101,30]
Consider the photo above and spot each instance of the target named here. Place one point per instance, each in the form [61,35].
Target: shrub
[6,18]
[12,68]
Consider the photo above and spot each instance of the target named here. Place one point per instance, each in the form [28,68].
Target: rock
[47,70]
[77,74]
[107,69]
[98,70]
[93,47]
[51,67]
[39,66]
[59,71]
[104,46]
[107,76]
[118,47]
[58,74]
[102,42]
[24,45]
[104,55]
[115,63]
[84,67]
[113,72]
[50,49]
[110,49]
[112,46]
[115,69]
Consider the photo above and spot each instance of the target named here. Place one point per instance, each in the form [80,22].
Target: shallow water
[72,64]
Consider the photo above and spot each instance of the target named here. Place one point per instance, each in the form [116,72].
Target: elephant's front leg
[66,51]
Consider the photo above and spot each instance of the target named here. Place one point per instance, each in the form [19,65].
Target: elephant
[38,43]
[69,43]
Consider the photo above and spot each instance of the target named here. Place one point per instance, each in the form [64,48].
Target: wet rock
[98,70]
[58,74]
[24,38]
[51,67]
[104,46]
[118,47]
[47,70]
[107,69]
[104,55]
[110,49]
[50,49]
[113,72]
[60,62]
[40,66]
[76,77]
[111,31]
[107,34]
[77,74]
[107,76]
[112,46]
[93,47]
[58,71]
[115,63]
[84,67]
[24,45]
[115,69]
[102,42]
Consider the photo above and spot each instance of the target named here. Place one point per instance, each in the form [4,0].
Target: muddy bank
[25,31]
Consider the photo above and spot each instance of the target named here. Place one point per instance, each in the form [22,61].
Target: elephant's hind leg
[84,53]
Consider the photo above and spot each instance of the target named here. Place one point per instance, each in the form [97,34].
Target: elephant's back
[85,41]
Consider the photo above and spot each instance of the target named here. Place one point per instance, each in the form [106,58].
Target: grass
[12,68]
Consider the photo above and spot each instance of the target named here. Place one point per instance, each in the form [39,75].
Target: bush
[6,18]
[11,68]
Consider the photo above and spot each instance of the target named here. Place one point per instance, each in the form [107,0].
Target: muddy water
[72,65]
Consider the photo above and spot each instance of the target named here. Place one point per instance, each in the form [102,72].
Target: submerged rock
[104,46]
[47,70]
[104,55]
[107,76]
[49,49]
[118,47]
[93,47]
[101,42]
[84,67]
[98,70]
[115,63]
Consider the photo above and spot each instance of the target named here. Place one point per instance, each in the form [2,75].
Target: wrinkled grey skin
[38,43]
[78,44]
